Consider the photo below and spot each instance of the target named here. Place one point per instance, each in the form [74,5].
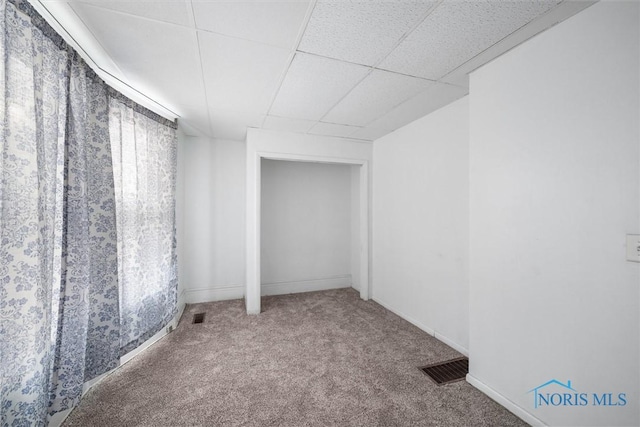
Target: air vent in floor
[198,318]
[447,372]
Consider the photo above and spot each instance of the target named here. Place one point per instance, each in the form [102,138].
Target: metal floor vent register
[198,318]
[447,372]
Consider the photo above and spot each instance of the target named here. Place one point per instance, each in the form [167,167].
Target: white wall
[214,206]
[555,173]
[293,146]
[420,223]
[306,226]
[212,235]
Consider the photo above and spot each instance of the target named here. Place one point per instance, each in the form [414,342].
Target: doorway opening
[308,227]
[358,247]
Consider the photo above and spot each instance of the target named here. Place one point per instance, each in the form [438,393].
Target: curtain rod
[112,80]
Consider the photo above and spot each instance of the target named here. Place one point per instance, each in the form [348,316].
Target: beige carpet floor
[313,359]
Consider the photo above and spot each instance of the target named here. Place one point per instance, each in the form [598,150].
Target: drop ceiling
[354,69]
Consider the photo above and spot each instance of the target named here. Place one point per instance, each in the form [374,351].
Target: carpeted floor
[312,359]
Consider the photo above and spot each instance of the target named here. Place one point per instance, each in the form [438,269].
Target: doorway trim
[253,212]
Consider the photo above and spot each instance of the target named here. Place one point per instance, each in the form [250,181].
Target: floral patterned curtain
[31,188]
[145,152]
[69,301]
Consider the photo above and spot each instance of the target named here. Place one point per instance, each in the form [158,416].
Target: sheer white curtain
[59,320]
[87,236]
[144,152]
[30,243]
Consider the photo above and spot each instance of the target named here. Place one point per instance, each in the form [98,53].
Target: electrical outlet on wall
[633,247]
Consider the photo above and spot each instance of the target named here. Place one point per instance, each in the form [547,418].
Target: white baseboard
[182,302]
[405,317]
[508,404]
[57,419]
[425,328]
[227,292]
[222,293]
[151,341]
[323,284]
[451,343]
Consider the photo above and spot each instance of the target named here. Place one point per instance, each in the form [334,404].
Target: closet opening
[308,215]
[307,226]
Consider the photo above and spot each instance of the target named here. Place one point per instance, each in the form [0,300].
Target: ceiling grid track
[405,35]
[355,70]
[374,67]
[550,12]
[204,83]
[303,28]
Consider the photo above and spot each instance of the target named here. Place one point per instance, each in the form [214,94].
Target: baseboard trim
[220,293]
[181,300]
[405,317]
[57,419]
[322,284]
[451,343]
[227,292]
[425,328]
[173,324]
[508,404]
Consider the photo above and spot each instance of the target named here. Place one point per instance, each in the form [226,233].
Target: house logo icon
[554,399]
[556,393]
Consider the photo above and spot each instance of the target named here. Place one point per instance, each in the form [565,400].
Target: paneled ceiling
[355,69]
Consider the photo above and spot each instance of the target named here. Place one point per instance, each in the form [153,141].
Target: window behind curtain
[84,173]
[144,153]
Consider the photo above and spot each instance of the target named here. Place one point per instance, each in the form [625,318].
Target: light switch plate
[633,247]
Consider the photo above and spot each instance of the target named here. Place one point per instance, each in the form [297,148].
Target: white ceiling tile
[241,75]
[151,45]
[566,9]
[370,134]
[172,11]
[457,79]
[332,129]
[377,94]
[456,31]
[277,23]
[426,102]
[197,116]
[233,125]
[289,125]
[67,20]
[313,85]
[359,31]
[155,57]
